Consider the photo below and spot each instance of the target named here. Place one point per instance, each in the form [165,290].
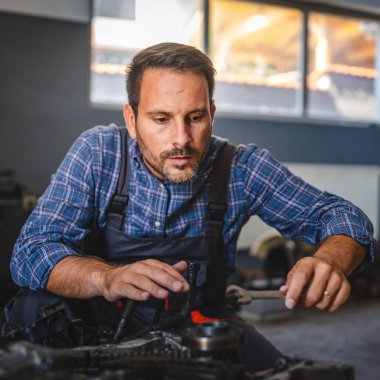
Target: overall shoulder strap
[219,182]
[214,288]
[93,244]
[120,198]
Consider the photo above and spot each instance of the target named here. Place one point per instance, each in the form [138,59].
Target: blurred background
[298,77]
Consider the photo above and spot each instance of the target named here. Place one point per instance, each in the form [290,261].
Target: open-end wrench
[243,296]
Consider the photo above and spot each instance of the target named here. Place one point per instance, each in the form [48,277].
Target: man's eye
[195,118]
[160,120]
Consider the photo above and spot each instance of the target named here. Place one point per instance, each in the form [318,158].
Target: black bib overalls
[114,245]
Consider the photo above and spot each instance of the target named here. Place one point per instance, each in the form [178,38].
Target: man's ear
[130,120]
[213,109]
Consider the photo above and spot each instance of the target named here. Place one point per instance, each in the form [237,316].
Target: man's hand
[320,280]
[316,282]
[143,279]
[86,277]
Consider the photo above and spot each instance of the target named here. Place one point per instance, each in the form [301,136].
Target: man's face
[173,126]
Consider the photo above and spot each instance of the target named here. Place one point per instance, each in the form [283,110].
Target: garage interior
[55,72]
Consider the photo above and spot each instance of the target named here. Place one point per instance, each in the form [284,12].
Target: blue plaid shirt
[258,185]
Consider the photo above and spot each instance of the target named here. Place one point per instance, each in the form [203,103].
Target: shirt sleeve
[60,221]
[296,209]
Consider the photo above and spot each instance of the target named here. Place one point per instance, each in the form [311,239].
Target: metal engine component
[153,357]
[156,356]
[215,341]
[212,336]
[161,351]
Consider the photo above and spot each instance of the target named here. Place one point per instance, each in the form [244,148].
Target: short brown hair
[167,55]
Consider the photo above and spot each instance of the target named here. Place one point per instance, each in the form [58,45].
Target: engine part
[212,336]
[208,351]
[214,341]
[159,356]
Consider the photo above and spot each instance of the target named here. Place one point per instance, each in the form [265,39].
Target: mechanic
[155,203]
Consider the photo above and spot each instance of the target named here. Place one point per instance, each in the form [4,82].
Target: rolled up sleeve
[352,222]
[298,210]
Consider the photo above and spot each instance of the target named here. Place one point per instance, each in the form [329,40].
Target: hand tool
[124,319]
[244,296]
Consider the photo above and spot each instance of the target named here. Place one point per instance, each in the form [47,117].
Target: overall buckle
[118,204]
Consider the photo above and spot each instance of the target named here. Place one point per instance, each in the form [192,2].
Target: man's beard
[176,173]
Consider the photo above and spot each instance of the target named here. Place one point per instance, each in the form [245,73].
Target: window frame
[305,7]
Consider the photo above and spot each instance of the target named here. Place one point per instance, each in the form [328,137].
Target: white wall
[358,184]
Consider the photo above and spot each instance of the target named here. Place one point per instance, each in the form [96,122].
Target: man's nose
[181,134]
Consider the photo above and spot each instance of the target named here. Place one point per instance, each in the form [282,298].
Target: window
[284,59]
[342,72]
[120,28]
[256,52]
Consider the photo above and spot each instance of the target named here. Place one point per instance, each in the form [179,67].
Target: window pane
[120,28]
[256,51]
[341,78]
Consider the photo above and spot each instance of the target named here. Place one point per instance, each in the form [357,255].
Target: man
[161,205]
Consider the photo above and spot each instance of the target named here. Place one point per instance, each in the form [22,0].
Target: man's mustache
[175,152]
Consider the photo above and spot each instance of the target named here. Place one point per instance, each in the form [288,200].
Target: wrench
[244,296]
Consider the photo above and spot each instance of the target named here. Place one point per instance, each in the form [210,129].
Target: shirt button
[157,223]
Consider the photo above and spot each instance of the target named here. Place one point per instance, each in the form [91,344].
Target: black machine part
[150,358]
[212,336]
[209,351]
[204,352]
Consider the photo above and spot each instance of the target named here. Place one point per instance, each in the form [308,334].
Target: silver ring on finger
[327,294]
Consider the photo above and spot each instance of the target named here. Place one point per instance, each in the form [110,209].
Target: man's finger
[146,284]
[180,266]
[170,269]
[330,291]
[290,275]
[314,291]
[131,292]
[341,297]
[160,276]
[298,282]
